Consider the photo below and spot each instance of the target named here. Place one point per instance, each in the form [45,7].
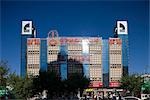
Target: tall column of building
[25,33]
[122,31]
[115,61]
[53,48]
[63,57]
[95,49]
[74,48]
[43,56]
[33,56]
[105,62]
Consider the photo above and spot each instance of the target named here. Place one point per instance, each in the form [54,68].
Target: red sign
[70,40]
[95,84]
[33,41]
[96,40]
[114,84]
[52,42]
[115,41]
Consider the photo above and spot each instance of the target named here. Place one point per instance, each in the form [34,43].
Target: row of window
[37,47]
[74,48]
[95,65]
[115,65]
[69,53]
[53,51]
[115,79]
[74,71]
[73,52]
[33,64]
[33,57]
[94,75]
[33,53]
[95,62]
[33,67]
[115,46]
[115,52]
[53,48]
[95,78]
[115,74]
[30,73]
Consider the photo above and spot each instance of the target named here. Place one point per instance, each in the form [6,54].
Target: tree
[47,81]
[146,87]
[21,88]
[77,82]
[132,83]
[4,69]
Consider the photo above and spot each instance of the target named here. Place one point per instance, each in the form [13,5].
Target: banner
[33,41]
[70,40]
[53,42]
[114,84]
[95,84]
[115,41]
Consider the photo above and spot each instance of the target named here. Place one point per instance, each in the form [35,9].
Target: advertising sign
[70,40]
[115,41]
[122,27]
[94,40]
[53,42]
[26,27]
[95,84]
[33,41]
[114,84]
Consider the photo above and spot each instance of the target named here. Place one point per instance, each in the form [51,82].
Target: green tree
[132,83]
[77,82]
[146,87]
[47,81]
[4,69]
[21,88]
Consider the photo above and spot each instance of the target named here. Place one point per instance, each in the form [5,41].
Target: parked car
[145,96]
[131,98]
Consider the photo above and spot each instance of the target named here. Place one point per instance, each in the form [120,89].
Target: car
[131,98]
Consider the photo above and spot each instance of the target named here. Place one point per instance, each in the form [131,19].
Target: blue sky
[76,18]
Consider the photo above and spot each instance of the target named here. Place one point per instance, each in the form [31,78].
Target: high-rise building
[115,61]
[105,62]
[101,60]
[33,56]
[122,32]
[27,32]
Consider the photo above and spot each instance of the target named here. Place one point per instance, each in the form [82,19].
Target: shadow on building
[64,67]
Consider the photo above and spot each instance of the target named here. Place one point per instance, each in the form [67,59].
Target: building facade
[100,60]
[115,61]
[122,32]
[26,32]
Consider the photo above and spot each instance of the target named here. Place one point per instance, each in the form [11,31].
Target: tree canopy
[132,83]
[23,88]
[4,69]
